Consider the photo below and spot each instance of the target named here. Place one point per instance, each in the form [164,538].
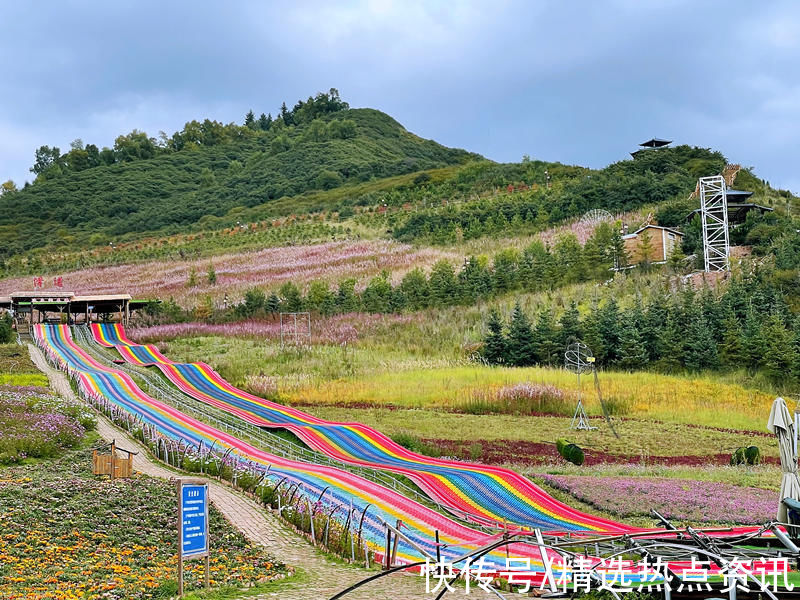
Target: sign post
[192,525]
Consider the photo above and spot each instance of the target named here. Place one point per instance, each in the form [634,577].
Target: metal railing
[161,389]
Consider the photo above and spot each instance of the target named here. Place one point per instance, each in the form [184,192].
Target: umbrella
[782,425]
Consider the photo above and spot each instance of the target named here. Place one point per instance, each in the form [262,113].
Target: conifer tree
[610,330]
[521,345]
[415,289]
[250,119]
[495,345]
[273,304]
[632,350]
[779,349]
[545,337]
[377,295]
[731,349]
[211,274]
[670,345]
[644,249]
[442,284]
[754,347]
[474,280]
[570,323]
[619,255]
[291,298]
[264,122]
[504,271]
[346,298]
[700,348]
[593,336]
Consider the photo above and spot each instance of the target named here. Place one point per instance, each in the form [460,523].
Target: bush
[415,444]
[746,456]
[752,455]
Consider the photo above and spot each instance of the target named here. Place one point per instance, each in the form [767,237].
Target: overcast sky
[578,82]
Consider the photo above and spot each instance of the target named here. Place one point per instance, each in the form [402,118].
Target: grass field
[367,374]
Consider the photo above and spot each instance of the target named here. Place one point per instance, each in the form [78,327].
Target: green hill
[187,180]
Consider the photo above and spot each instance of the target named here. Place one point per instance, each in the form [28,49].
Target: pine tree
[754,347]
[250,119]
[377,295]
[286,115]
[273,304]
[548,350]
[619,255]
[610,330]
[291,298]
[593,336]
[521,345]
[731,349]
[570,323]
[211,274]
[632,350]
[644,249]
[504,271]
[655,318]
[415,289]
[346,298]
[442,284]
[700,348]
[264,122]
[669,347]
[495,345]
[676,261]
[474,280]
[779,353]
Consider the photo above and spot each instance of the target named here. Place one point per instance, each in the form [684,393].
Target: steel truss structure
[295,328]
[714,213]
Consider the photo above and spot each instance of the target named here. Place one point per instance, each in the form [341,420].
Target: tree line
[748,326]
[651,177]
[137,145]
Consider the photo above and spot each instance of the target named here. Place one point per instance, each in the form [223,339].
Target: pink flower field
[237,272]
[338,329]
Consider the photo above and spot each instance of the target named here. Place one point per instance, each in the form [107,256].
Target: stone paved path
[323,578]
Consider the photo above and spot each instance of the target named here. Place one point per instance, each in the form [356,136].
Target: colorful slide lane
[337,487]
[491,495]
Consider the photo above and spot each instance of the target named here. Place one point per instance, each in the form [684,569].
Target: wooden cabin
[662,241]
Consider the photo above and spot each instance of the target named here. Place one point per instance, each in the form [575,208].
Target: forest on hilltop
[144,184]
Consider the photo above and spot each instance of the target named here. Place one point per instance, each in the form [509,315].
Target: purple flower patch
[679,499]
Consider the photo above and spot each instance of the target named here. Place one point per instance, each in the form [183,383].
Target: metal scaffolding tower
[714,213]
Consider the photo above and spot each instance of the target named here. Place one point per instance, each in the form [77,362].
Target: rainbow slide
[489,495]
[337,487]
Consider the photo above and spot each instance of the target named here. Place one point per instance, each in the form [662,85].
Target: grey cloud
[580,82]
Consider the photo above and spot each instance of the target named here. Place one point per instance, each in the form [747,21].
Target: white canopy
[782,425]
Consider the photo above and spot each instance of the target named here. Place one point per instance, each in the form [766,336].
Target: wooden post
[387,559]
[394,546]
[113,460]
[208,575]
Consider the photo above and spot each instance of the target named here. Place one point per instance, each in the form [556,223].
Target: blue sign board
[194,520]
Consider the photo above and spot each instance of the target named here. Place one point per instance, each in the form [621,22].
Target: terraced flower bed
[678,499]
[34,423]
[67,534]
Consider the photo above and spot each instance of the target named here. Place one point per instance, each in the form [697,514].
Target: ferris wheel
[597,215]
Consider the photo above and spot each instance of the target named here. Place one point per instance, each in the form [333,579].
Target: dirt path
[323,579]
